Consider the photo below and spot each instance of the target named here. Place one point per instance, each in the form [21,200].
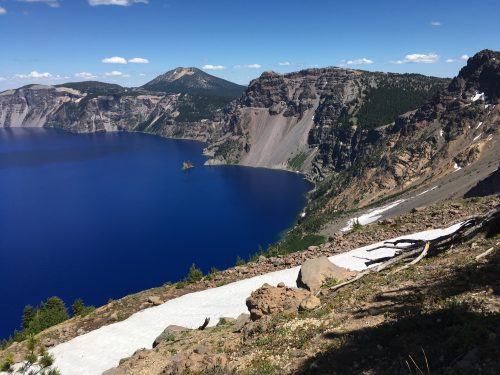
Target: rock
[201,360]
[115,371]
[270,300]
[313,248]
[171,329]
[156,301]
[314,272]
[201,349]
[48,343]
[310,303]
[240,322]
[114,316]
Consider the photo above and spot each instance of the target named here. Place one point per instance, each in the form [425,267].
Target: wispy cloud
[50,3]
[3,11]
[116,73]
[34,74]
[435,23]
[85,75]
[461,58]
[362,61]
[428,58]
[123,3]
[138,60]
[249,66]
[114,60]
[213,67]
[285,63]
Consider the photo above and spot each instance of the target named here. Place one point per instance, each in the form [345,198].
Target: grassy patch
[297,161]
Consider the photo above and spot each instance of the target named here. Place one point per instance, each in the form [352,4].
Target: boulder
[270,300]
[240,322]
[156,301]
[115,371]
[171,329]
[310,303]
[314,272]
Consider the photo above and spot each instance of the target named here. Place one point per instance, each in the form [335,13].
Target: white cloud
[2,79]
[114,60]
[284,63]
[213,67]
[3,11]
[50,3]
[138,60]
[116,73]
[123,3]
[428,58]
[362,61]
[250,66]
[85,75]
[34,74]
[461,58]
[436,23]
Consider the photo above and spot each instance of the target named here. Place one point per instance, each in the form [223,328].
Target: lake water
[99,216]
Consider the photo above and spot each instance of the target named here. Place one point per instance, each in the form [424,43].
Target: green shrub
[240,261]
[195,274]
[49,313]
[79,308]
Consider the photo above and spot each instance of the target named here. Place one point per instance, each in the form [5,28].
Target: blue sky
[131,41]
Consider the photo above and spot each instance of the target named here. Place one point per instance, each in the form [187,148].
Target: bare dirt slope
[275,139]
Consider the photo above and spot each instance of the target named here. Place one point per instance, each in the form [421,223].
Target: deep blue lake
[99,216]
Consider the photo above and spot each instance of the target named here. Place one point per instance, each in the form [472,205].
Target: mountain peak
[190,80]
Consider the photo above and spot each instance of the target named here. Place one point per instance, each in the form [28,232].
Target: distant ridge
[193,81]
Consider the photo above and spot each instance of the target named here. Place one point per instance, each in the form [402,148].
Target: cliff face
[457,128]
[316,120]
[89,110]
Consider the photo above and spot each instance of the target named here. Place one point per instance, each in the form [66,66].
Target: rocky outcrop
[314,272]
[169,334]
[269,300]
[307,120]
[457,128]
[84,107]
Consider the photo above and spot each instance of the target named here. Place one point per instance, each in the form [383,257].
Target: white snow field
[102,349]
[371,216]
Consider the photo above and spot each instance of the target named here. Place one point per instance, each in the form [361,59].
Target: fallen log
[489,224]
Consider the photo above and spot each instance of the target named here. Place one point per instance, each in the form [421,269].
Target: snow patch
[476,138]
[478,96]
[370,216]
[102,349]
[478,125]
[425,191]
[456,167]
[441,132]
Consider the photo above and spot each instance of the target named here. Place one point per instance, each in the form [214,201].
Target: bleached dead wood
[469,229]
[487,252]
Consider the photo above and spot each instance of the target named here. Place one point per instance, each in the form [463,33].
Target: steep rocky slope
[447,304]
[316,120]
[458,128]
